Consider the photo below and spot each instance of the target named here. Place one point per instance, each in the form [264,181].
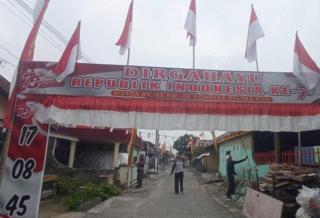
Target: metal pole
[193,56]
[128,57]
[257,65]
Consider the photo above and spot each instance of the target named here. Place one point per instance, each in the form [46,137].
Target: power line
[5,61]
[53,30]
[7,50]
[42,33]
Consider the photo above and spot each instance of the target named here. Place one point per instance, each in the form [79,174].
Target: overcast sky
[158,37]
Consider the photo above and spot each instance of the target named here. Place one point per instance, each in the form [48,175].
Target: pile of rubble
[280,176]
[283,182]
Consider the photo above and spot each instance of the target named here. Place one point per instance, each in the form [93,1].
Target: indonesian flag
[304,68]
[26,55]
[255,32]
[69,57]
[124,40]
[190,24]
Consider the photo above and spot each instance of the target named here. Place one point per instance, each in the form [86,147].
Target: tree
[181,144]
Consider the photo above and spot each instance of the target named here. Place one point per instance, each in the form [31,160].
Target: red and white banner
[170,98]
[304,68]
[69,57]
[190,24]
[255,32]
[125,38]
[26,55]
[21,183]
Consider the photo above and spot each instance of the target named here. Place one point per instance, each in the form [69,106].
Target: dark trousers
[231,186]
[178,179]
[140,176]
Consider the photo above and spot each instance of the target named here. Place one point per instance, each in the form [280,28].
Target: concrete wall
[210,163]
[240,147]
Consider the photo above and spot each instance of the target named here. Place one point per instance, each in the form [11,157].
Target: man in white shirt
[177,168]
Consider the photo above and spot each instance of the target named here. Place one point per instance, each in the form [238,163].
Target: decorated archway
[141,97]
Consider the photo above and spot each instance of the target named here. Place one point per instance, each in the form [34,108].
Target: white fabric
[124,48]
[71,63]
[143,120]
[191,27]
[308,77]
[255,32]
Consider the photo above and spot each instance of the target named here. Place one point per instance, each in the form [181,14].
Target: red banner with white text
[21,184]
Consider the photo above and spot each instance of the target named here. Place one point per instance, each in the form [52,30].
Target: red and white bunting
[125,38]
[71,54]
[26,55]
[255,32]
[304,68]
[190,24]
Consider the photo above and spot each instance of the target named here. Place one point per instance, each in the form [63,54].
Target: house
[264,148]
[89,153]
[211,162]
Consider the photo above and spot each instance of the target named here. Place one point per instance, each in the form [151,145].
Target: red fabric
[26,55]
[122,41]
[74,41]
[193,6]
[303,55]
[185,107]
[253,16]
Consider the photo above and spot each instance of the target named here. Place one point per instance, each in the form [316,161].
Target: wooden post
[276,141]
[72,152]
[273,184]
[299,148]
[116,154]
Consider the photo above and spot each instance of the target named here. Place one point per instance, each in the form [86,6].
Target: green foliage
[196,152]
[67,185]
[90,191]
[77,192]
[181,143]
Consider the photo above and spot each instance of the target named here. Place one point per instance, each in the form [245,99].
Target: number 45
[17,205]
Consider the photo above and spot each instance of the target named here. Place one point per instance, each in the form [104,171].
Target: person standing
[177,168]
[231,173]
[140,170]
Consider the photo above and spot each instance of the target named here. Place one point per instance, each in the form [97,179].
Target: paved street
[157,199]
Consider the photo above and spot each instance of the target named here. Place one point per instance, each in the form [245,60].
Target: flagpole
[128,57]
[193,56]
[257,65]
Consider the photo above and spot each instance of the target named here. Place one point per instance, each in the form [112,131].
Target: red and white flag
[26,55]
[125,38]
[190,24]
[304,68]
[69,58]
[255,32]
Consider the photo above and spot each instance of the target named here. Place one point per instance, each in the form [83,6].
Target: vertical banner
[20,190]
